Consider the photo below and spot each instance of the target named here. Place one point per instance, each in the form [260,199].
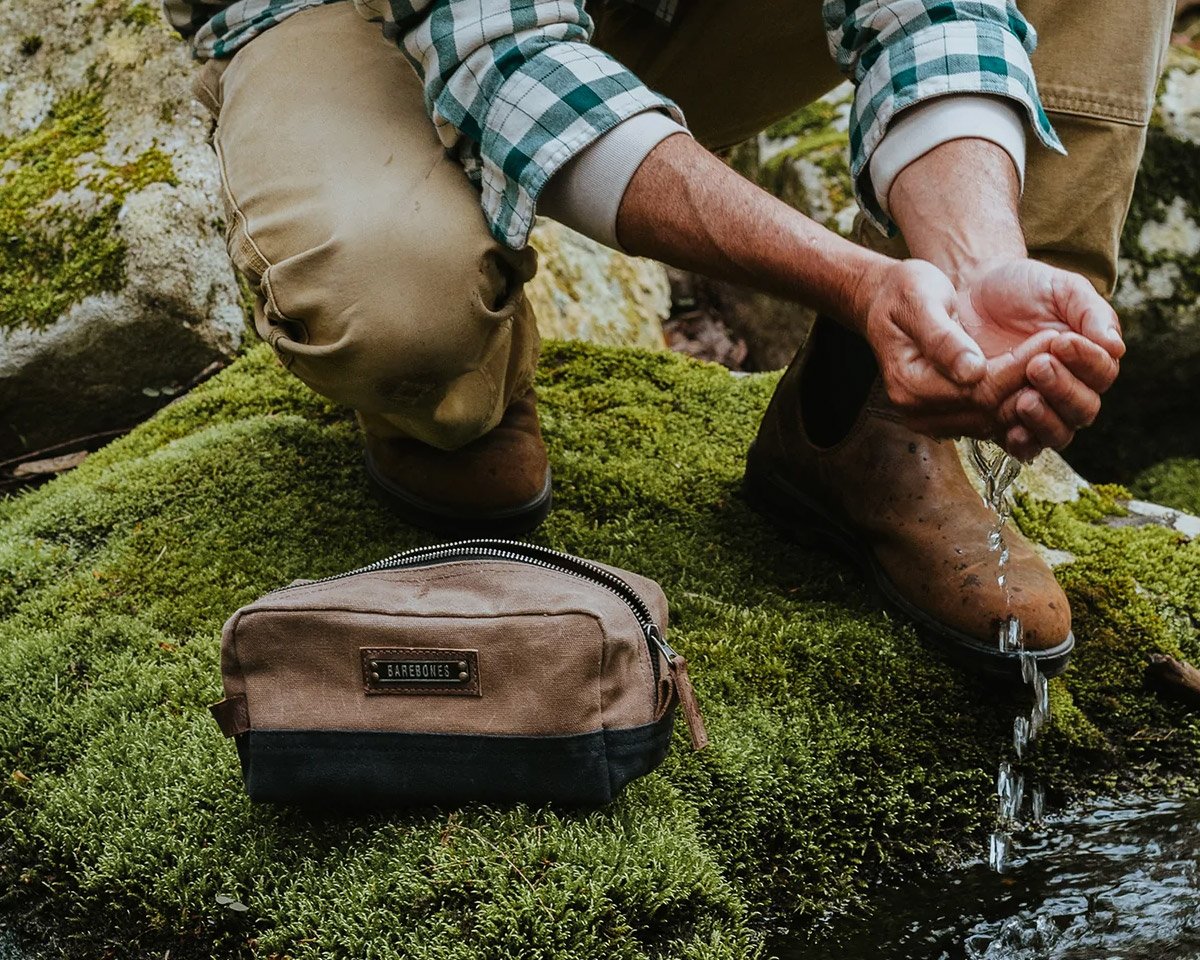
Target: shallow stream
[1117,880]
[8,948]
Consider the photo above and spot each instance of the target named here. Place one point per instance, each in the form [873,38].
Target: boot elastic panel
[839,371]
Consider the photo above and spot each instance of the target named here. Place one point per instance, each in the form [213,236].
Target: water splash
[997,471]
[999,849]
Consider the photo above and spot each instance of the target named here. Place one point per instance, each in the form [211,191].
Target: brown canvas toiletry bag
[475,670]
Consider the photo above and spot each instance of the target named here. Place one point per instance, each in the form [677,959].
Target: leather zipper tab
[231,715]
[687,700]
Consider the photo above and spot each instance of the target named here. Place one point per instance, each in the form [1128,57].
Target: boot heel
[801,522]
[767,501]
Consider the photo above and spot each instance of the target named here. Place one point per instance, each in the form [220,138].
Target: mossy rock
[115,289]
[805,160]
[585,291]
[1174,482]
[845,753]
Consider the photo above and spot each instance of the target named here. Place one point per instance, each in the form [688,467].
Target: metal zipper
[534,555]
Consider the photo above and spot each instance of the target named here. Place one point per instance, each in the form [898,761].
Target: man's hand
[957,208]
[1002,305]
[1013,354]
[934,371]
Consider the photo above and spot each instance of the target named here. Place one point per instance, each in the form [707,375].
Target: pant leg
[1097,65]
[377,280]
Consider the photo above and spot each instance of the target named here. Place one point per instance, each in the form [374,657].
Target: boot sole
[807,522]
[510,521]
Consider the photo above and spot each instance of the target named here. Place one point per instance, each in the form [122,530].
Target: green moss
[1173,483]
[815,118]
[845,751]
[142,15]
[816,139]
[51,255]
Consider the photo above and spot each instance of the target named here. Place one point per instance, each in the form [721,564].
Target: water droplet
[999,847]
[1011,638]
[1037,803]
[1029,668]
[1041,694]
[1004,780]
[1020,736]
[1036,720]
[1010,800]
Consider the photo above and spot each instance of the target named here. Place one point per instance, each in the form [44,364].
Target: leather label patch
[413,670]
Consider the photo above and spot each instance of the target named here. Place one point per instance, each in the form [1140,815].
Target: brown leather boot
[497,485]
[833,459]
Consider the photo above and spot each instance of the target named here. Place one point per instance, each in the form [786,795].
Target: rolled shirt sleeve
[586,193]
[902,52]
[917,130]
[515,90]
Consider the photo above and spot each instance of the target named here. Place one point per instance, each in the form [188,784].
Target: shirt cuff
[586,192]
[926,125]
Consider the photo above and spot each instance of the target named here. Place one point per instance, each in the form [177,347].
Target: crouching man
[380,186]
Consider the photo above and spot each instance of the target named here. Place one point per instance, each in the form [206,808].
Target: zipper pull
[683,689]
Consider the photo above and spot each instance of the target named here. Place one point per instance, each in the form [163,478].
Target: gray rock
[1142,513]
[585,291]
[117,290]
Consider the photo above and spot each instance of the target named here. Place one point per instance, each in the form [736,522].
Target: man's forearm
[687,208]
[957,206]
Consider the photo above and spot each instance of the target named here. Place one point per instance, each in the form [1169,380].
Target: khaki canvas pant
[377,281]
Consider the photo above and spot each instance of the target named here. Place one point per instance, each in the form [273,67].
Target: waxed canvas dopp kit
[475,670]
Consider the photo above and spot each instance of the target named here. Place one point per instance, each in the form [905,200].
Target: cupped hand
[1019,353]
[1002,306]
[934,372]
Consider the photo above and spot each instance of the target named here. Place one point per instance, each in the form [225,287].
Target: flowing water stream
[997,470]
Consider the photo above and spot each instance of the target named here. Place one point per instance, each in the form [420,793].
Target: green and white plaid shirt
[515,89]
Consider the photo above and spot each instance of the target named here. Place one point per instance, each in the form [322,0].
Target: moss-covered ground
[845,752]
[1173,483]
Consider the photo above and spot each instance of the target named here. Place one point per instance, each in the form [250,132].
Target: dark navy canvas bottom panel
[356,768]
